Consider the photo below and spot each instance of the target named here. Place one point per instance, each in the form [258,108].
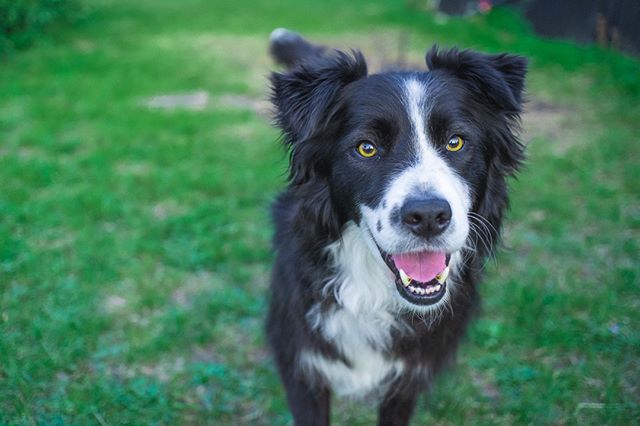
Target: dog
[396,192]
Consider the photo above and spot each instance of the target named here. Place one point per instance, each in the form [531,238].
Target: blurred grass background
[134,240]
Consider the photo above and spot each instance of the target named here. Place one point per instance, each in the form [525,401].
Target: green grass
[134,242]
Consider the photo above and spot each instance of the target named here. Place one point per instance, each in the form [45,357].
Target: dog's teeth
[406,279]
[442,276]
[430,289]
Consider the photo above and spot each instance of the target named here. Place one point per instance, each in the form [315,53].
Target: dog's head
[417,160]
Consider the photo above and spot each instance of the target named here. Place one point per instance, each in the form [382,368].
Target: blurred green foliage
[21,21]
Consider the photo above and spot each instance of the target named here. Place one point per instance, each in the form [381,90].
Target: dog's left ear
[497,78]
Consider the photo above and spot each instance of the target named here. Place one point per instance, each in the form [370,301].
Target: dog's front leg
[310,407]
[397,407]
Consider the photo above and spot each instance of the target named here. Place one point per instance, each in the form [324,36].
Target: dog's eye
[455,143]
[367,149]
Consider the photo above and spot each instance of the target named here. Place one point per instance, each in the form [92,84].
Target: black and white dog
[397,188]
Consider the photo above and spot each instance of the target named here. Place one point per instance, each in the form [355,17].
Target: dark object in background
[611,23]
[572,19]
[455,7]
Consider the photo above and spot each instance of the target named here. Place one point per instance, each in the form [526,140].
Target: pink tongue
[421,266]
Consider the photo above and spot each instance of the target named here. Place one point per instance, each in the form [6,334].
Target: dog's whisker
[490,253]
[480,225]
[482,232]
[481,236]
[484,220]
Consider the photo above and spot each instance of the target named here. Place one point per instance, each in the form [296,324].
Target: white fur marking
[429,174]
[279,33]
[415,100]
[368,374]
[360,327]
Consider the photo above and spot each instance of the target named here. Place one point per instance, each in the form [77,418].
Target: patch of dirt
[197,100]
[240,131]
[84,46]
[163,370]
[486,386]
[54,239]
[114,303]
[166,369]
[200,100]
[262,107]
[550,121]
[165,209]
[140,169]
[192,286]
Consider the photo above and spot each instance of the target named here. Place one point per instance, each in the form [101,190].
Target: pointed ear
[303,96]
[497,78]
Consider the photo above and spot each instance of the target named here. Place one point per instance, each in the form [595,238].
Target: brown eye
[455,144]
[367,149]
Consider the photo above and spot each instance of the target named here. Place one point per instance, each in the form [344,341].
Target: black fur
[324,104]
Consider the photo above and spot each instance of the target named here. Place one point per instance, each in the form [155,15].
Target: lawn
[134,239]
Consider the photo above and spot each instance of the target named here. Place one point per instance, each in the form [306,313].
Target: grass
[134,242]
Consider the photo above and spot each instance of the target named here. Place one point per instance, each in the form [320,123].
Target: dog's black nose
[426,217]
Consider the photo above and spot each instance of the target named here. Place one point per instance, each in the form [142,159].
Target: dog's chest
[360,325]
[363,341]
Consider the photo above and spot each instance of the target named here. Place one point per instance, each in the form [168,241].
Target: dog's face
[411,158]
[403,170]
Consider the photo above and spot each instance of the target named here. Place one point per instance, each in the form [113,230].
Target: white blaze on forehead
[415,94]
[429,173]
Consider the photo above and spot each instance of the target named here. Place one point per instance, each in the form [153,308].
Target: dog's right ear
[303,96]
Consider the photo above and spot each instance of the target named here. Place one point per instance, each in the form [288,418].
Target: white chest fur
[360,327]
[368,367]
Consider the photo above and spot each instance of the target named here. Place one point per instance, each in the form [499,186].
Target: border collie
[397,188]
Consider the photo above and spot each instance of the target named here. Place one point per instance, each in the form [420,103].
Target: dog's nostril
[443,218]
[413,219]
[426,217]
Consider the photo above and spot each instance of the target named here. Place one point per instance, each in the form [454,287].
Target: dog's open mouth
[421,278]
